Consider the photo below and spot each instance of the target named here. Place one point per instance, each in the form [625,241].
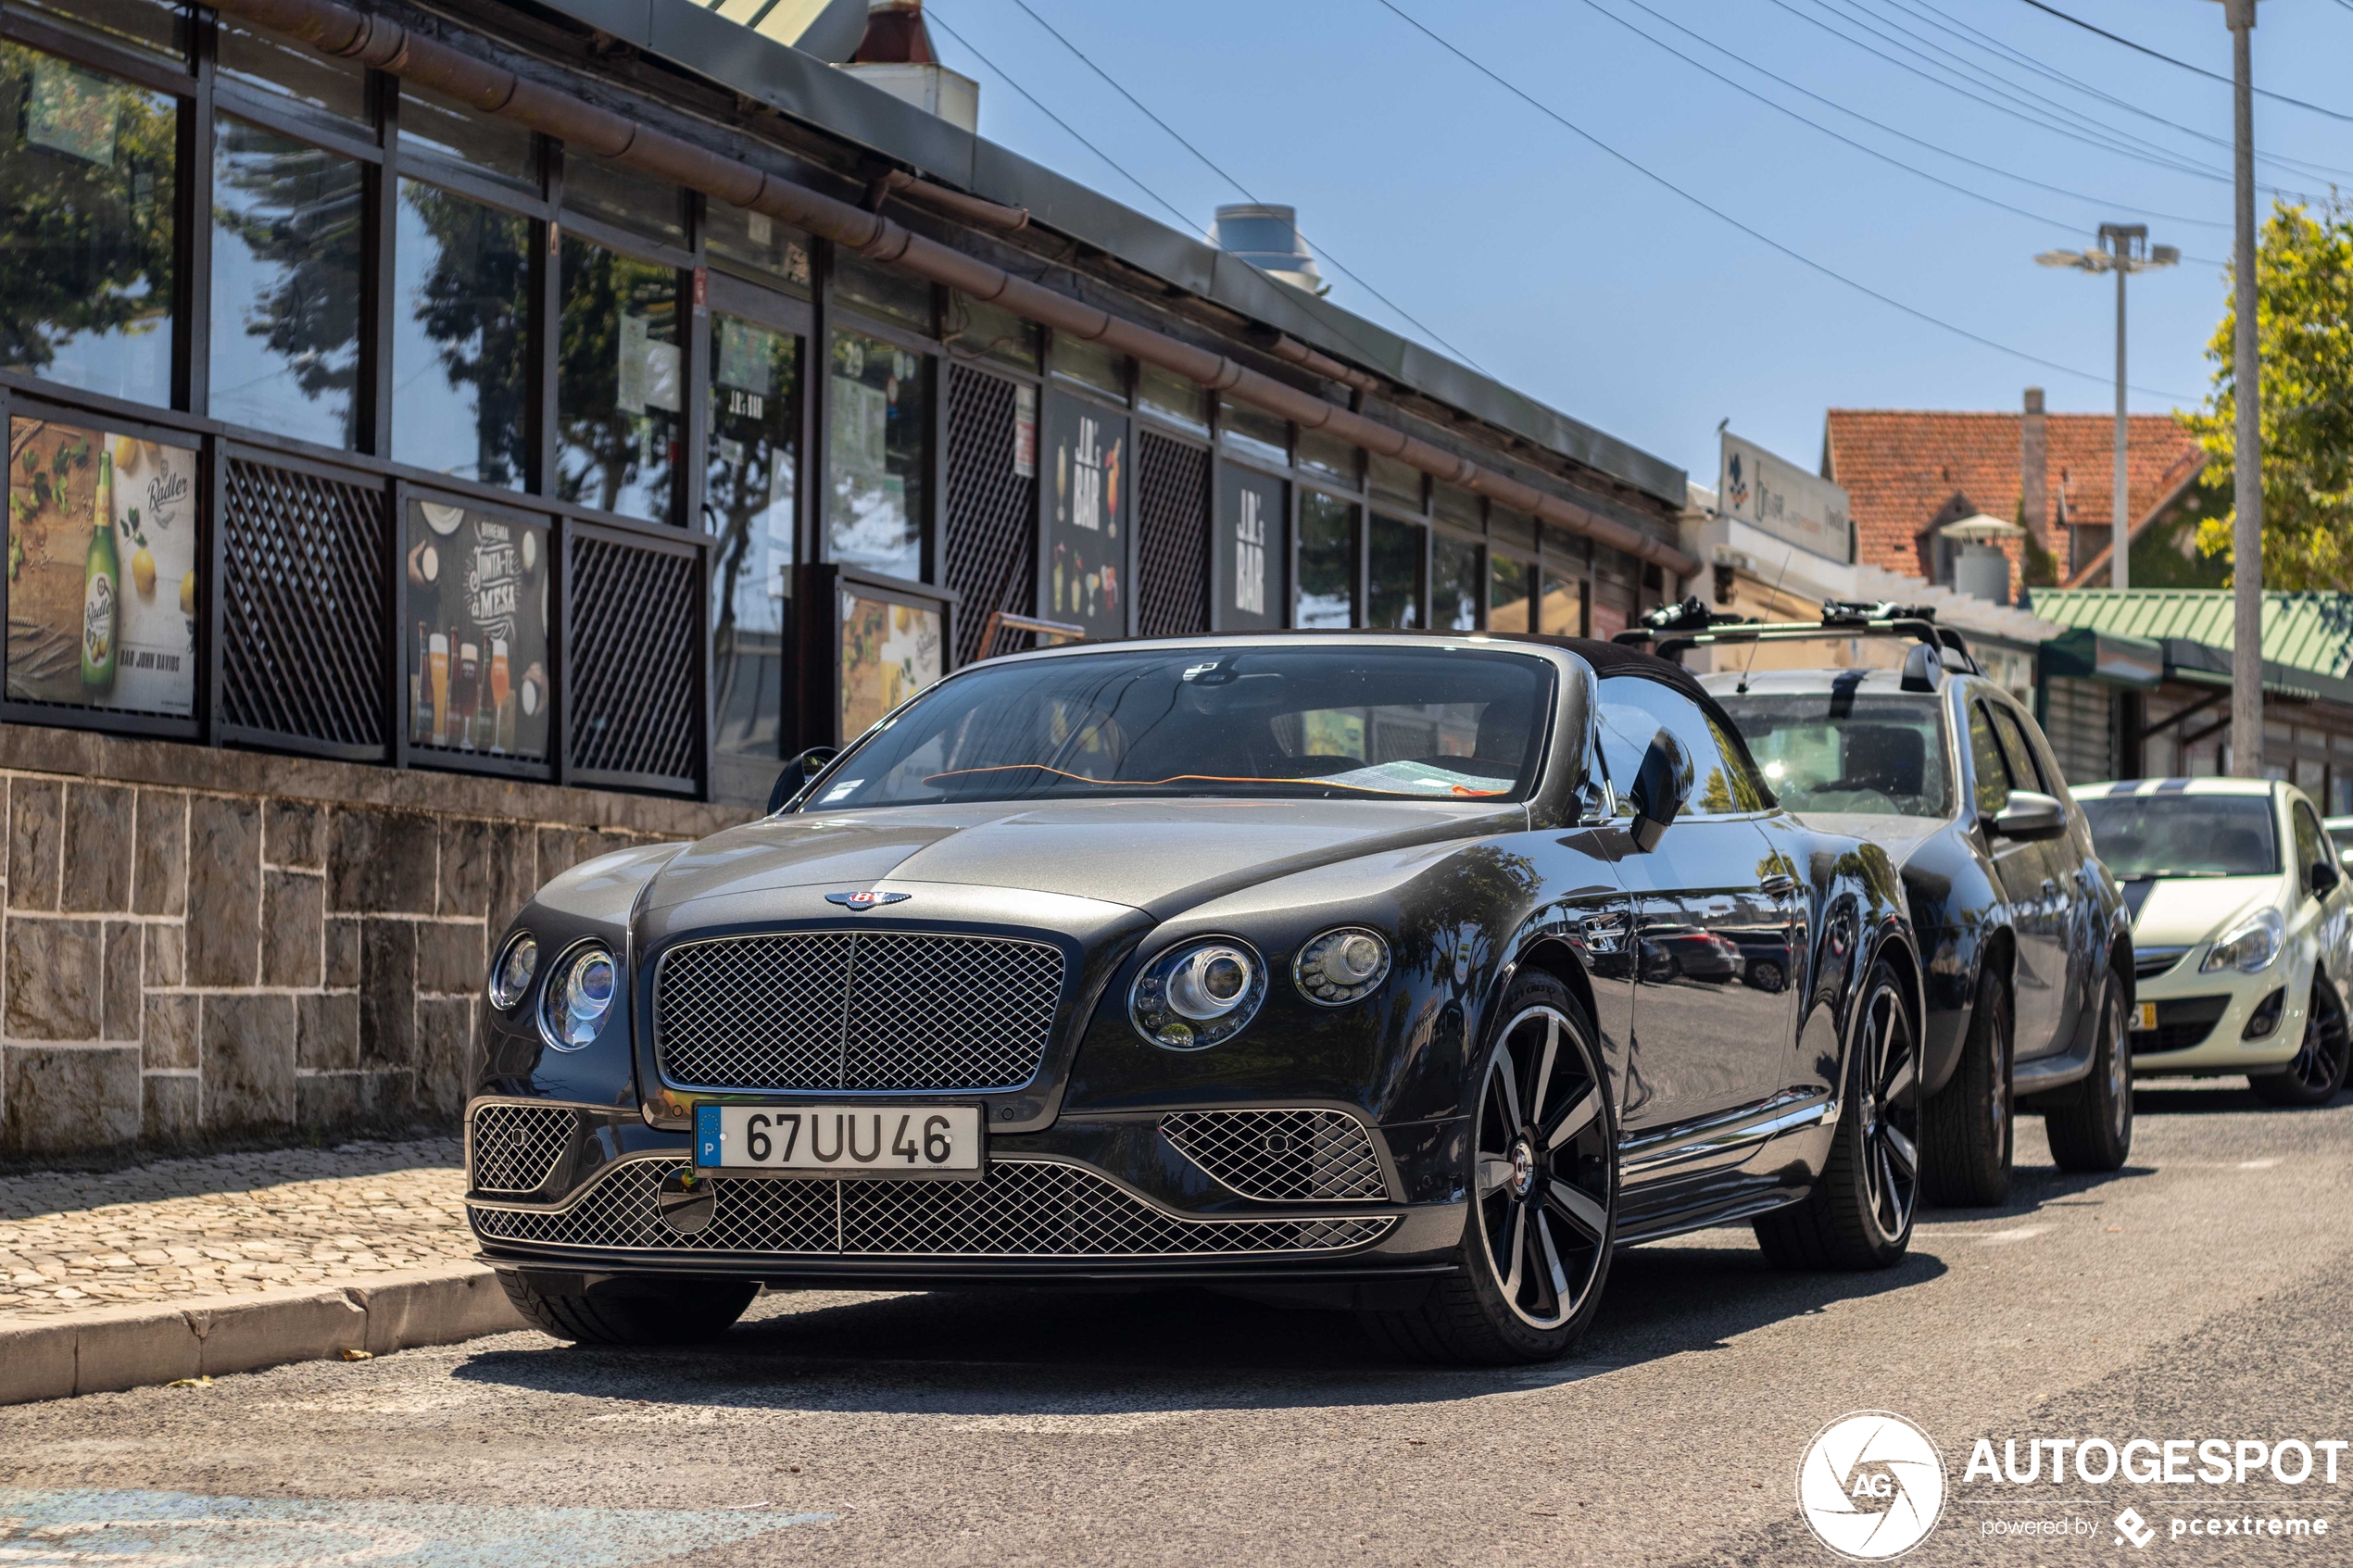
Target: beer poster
[102,570]
[1085,510]
[477,623]
[888,653]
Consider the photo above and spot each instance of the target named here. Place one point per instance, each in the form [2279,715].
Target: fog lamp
[1341,966]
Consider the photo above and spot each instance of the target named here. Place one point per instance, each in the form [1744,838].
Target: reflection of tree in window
[462,337]
[87,178]
[747,503]
[617,393]
[875,457]
[288,222]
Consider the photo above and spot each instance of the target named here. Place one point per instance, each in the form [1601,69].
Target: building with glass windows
[444,444]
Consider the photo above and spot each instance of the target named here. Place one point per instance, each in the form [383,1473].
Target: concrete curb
[137,1347]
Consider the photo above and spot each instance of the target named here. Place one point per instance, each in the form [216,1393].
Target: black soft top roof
[1616,658]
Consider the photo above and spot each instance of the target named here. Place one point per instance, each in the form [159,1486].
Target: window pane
[617,392]
[1327,454]
[878,456]
[1563,610]
[1172,397]
[625,198]
[1091,364]
[1517,527]
[747,502]
[1454,585]
[882,291]
[756,245]
[1560,545]
[462,337]
[990,332]
[87,171]
[153,24]
[494,146]
[1253,434]
[276,65]
[289,225]
[1396,572]
[1398,482]
[1326,560]
[1507,595]
[1633,708]
[476,641]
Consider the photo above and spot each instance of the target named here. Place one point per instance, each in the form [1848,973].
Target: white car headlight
[1340,966]
[578,995]
[510,976]
[2248,947]
[1198,994]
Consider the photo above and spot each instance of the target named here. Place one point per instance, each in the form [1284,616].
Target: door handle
[1777,885]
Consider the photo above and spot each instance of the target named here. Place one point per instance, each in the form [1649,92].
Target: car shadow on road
[1043,1355]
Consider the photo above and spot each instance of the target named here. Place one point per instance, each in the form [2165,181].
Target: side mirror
[2322,879]
[2031,816]
[797,774]
[1659,787]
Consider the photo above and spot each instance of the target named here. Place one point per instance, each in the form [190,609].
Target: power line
[1758,235]
[1207,163]
[1935,147]
[2184,64]
[1840,136]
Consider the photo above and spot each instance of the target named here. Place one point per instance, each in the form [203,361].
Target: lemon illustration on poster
[102,569]
[477,658]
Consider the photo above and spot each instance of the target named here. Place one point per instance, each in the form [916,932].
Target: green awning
[2086,653]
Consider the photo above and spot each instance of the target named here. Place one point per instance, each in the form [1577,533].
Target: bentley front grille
[514,1148]
[1280,1156]
[1021,1209]
[855,1010]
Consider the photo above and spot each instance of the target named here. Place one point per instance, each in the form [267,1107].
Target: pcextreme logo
[1871,1486]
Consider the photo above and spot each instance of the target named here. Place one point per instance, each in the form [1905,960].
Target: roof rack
[1671,629]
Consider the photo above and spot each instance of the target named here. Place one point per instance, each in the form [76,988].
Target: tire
[651,1312]
[2094,1131]
[1968,1128]
[1543,1154]
[1859,1215]
[1766,976]
[2317,1071]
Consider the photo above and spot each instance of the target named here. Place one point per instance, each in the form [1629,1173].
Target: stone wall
[202,946]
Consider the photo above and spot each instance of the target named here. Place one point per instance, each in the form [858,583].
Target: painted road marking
[48,1527]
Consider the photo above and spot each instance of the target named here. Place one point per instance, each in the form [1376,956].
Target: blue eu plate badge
[706,1135]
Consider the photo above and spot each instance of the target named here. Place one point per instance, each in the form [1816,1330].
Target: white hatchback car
[2242,930]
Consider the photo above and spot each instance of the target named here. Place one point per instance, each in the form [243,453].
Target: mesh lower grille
[1283,1156]
[886,1011]
[514,1148]
[1023,1209]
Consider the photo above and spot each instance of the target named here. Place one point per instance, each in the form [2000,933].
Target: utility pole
[2124,250]
[2247,383]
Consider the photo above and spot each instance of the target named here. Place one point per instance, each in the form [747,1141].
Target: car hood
[1154,855]
[2183,911]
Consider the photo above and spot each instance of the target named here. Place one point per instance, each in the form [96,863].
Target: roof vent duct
[1268,237]
[896,55]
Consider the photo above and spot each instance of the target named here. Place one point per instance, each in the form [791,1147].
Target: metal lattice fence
[302,589]
[636,698]
[992,508]
[1172,508]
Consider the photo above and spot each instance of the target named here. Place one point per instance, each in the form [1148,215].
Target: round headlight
[510,976]
[1341,966]
[1198,994]
[578,997]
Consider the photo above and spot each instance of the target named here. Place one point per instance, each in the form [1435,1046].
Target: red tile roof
[1902,467]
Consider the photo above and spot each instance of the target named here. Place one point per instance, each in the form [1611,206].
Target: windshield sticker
[1414,778]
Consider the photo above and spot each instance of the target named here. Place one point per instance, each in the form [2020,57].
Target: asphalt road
[2202,1293]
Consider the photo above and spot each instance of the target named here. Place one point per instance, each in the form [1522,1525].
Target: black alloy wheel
[1859,1213]
[1543,1199]
[1968,1128]
[2093,1131]
[2318,1070]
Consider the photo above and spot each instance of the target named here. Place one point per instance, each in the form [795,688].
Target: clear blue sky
[1569,275]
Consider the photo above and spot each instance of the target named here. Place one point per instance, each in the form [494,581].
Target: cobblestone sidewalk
[227,1224]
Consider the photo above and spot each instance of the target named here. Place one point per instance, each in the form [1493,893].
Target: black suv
[2027,941]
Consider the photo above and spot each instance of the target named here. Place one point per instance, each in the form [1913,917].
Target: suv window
[1985,759]
[1635,707]
[2020,756]
[2311,844]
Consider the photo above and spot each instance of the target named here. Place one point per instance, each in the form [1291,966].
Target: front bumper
[574,1188]
[2185,999]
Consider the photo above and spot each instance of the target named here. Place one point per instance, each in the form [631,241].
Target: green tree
[2304,326]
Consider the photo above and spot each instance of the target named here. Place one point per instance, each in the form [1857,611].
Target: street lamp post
[2125,249]
[2246,385]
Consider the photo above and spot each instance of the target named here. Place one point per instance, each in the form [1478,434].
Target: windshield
[1321,723]
[2145,836]
[1844,751]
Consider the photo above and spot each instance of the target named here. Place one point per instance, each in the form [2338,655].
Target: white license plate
[884,1140]
[2148,1019]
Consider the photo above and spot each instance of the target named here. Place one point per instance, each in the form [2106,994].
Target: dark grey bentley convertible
[1406,973]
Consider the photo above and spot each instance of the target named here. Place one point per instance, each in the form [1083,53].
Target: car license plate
[839,1140]
[2146,1016]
